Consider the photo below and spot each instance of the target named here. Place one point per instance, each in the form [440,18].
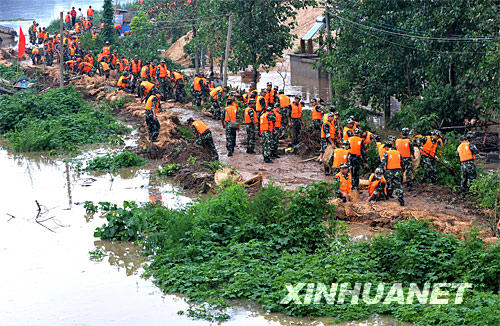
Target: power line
[445,39]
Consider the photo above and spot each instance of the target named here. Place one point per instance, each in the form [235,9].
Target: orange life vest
[265,123]
[247,116]
[104,66]
[106,50]
[345,135]
[368,138]
[345,183]
[373,184]
[144,72]
[284,100]
[339,157]
[213,92]
[429,149]
[278,116]
[152,70]
[149,104]
[135,67]
[331,129]
[197,84]
[381,150]
[355,142]
[147,85]
[465,153]
[230,114]
[67,19]
[403,147]
[393,160]
[200,127]
[121,83]
[35,51]
[90,12]
[316,113]
[296,111]
[258,105]
[163,71]
[178,76]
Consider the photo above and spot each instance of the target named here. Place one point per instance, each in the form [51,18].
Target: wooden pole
[228,46]
[328,46]
[61,55]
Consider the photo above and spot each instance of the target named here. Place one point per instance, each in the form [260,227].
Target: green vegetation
[421,56]
[8,72]
[234,247]
[57,120]
[169,170]
[113,162]
[487,193]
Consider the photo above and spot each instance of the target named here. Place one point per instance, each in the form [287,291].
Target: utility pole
[328,51]
[196,53]
[228,46]
[61,55]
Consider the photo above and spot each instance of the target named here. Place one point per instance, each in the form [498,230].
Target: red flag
[22,44]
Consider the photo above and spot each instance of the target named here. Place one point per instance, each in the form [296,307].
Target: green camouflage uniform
[230,138]
[153,125]
[251,132]
[429,163]
[267,139]
[468,171]
[296,126]
[206,140]
[394,178]
[165,84]
[180,91]
[285,120]
[215,108]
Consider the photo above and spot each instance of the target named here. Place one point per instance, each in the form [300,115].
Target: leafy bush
[169,169]
[59,119]
[233,247]
[487,192]
[113,162]
[8,72]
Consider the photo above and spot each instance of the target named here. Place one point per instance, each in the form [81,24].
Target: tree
[410,49]
[108,33]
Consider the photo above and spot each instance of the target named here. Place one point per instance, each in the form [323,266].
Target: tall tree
[108,32]
[444,50]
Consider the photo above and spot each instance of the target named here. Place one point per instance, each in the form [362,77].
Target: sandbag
[227,174]
[328,154]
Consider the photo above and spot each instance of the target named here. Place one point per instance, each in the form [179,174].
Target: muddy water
[48,276]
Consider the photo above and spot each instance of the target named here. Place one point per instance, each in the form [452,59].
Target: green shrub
[59,119]
[233,247]
[8,72]
[113,162]
[169,169]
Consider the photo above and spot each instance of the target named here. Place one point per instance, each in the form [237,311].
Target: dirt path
[286,171]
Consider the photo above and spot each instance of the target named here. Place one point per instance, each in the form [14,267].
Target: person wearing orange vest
[368,137]
[106,50]
[405,148]
[197,88]
[87,68]
[47,51]
[40,36]
[267,120]
[467,153]
[340,155]
[153,106]
[203,137]
[296,119]
[348,129]
[428,149]
[152,69]
[216,96]
[317,116]
[285,103]
[124,82]
[90,13]
[144,89]
[327,138]
[89,58]
[32,32]
[251,123]
[277,130]
[36,57]
[357,156]
[271,94]
[165,80]
[145,73]
[230,123]
[104,69]
[179,86]
[260,103]
[377,186]
[391,164]
[345,182]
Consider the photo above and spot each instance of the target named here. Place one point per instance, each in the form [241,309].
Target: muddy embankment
[448,212]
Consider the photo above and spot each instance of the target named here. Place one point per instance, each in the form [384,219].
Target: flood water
[15,13]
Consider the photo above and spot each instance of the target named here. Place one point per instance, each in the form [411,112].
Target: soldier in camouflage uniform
[230,123]
[151,117]
[406,162]
[164,81]
[467,153]
[204,139]
[393,174]
[429,159]
[267,120]
[252,124]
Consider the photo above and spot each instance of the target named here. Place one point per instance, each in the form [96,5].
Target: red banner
[22,44]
